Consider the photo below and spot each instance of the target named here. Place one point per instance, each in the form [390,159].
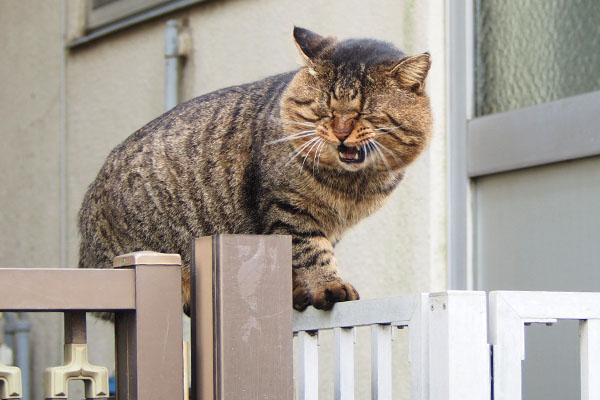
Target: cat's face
[357,104]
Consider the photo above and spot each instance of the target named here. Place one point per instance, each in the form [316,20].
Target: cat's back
[184,173]
[224,113]
[203,128]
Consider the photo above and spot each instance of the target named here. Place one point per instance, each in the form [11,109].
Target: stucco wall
[30,125]
[114,85]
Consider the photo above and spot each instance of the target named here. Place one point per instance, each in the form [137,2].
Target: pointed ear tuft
[310,44]
[412,71]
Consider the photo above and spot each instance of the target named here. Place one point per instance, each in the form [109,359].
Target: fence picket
[309,365]
[381,362]
[418,344]
[507,338]
[590,359]
[459,357]
[344,363]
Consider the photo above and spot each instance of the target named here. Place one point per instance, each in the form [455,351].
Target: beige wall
[30,115]
[114,85]
[30,121]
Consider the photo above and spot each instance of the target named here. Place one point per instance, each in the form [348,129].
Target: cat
[307,153]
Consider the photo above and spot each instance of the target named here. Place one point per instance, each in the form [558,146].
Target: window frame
[533,136]
[129,17]
[114,10]
[495,143]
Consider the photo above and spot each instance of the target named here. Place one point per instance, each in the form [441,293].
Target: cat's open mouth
[352,155]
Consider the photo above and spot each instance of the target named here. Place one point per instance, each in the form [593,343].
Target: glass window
[530,52]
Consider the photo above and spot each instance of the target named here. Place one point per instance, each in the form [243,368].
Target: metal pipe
[8,337]
[172,60]
[63,221]
[16,330]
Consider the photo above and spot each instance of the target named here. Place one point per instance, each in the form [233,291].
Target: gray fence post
[242,318]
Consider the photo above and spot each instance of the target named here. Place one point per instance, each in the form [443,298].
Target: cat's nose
[342,125]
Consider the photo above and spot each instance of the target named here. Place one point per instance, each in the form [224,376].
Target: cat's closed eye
[375,119]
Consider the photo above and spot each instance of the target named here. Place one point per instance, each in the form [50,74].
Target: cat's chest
[354,211]
[344,212]
[336,205]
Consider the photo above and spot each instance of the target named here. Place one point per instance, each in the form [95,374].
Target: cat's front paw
[323,295]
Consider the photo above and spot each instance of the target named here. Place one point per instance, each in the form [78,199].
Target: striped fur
[267,158]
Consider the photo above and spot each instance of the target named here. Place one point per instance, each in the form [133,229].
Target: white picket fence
[449,351]
[382,315]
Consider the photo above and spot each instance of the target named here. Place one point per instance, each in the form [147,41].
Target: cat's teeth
[354,155]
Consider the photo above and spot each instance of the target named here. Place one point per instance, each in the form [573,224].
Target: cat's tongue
[349,153]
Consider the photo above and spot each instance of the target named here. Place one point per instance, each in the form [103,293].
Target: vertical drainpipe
[177,46]
[172,60]
[63,180]
[16,331]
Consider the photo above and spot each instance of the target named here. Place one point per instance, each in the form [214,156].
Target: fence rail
[242,325]
[145,296]
[381,315]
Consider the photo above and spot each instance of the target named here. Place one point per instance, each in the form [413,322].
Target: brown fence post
[242,318]
[149,340]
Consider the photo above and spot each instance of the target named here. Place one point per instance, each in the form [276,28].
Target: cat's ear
[311,45]
[412,71]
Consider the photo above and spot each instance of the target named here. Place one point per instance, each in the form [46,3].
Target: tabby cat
[307,153]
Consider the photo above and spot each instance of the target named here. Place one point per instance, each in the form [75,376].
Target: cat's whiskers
[375,146]
[289,121]
[371,147]
[299,135]
[309,150]
[300,123]
[390,152]
[318,156]
[384,128]
[364,147]
[300,149]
